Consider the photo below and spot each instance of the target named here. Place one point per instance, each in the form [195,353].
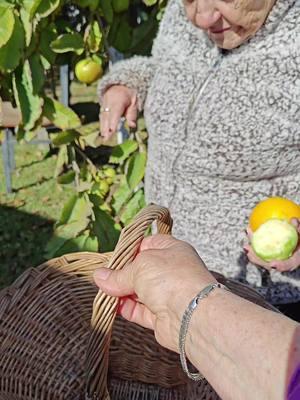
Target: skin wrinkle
[243,17]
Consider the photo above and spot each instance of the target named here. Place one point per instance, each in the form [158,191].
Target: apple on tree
[88,70]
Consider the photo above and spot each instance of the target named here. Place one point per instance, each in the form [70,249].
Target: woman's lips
[218,31]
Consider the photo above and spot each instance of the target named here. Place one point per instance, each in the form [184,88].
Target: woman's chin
[228,41]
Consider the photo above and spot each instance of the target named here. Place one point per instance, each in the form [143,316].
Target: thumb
[131,113]
[115,283]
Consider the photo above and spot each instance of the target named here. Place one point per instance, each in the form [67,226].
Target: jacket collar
[277,13]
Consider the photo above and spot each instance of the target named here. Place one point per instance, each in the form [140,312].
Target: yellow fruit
[273,207]
[88,71]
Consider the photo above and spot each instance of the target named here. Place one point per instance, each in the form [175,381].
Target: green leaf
[68,42]
[80,243]
[72,229]
[120,6]
[27,25]
[150,3]
[60,115]
[92,4]
[73,245]
[29,103]
[92,139]
[88,129]
[82,208]
[31,6]
[136,169]
[106,230]
[67,209]
[7,22]
[107,10]
[142,37]
[123,37]
[64,137]
[64,233]
[89,133]
[121,195]
[38,74]
[47,36]
[133,207]
[47,7]
[83,186]
[11,53]
[114,26]
[141,125]
[66,178]
[94,37]
[62,159]
[91,244]
[122,151]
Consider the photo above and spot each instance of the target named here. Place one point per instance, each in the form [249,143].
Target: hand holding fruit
[119,101]
[274,235]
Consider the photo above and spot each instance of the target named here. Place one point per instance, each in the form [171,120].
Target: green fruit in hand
[276,239]
[120,6]
[88,70]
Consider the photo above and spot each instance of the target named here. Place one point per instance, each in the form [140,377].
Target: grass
[28,214]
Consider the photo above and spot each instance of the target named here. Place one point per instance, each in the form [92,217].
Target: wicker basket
[59,338]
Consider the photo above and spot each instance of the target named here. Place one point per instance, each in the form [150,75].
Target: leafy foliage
[108,195]
[35,36]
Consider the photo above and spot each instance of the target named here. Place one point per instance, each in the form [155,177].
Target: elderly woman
[221,99]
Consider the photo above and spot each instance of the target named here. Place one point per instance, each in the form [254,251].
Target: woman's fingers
[110,117]
[118,101]
[288,265]
[115,283]
[249,232]
[132,112]
[120,283]
[254,259]
[136,312]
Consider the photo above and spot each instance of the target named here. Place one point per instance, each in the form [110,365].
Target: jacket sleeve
[138,71]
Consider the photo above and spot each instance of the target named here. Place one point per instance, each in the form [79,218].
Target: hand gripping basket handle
[104,308]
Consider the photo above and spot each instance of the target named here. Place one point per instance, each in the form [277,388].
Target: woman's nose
[206,14]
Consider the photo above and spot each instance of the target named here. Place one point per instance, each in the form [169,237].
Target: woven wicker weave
[58,341]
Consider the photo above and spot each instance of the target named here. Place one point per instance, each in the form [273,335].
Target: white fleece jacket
[223,134]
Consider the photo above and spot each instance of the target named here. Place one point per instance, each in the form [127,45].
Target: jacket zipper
[198,92]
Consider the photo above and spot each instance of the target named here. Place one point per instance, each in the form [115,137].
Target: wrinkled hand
[283,266]
[121,101]
[158,285]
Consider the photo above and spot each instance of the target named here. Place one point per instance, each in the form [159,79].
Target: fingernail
[102,274]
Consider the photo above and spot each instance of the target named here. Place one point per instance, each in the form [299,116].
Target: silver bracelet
[185,325]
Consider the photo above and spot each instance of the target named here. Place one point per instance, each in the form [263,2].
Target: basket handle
[104,307]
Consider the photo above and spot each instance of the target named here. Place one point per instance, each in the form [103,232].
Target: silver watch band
[185,325]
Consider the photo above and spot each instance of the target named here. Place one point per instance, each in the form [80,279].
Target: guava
[276,239]
[100,188]
[88,70]
[109,172]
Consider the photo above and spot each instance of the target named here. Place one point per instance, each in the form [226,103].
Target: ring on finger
[105,109]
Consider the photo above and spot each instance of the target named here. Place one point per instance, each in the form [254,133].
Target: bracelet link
[185,324]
